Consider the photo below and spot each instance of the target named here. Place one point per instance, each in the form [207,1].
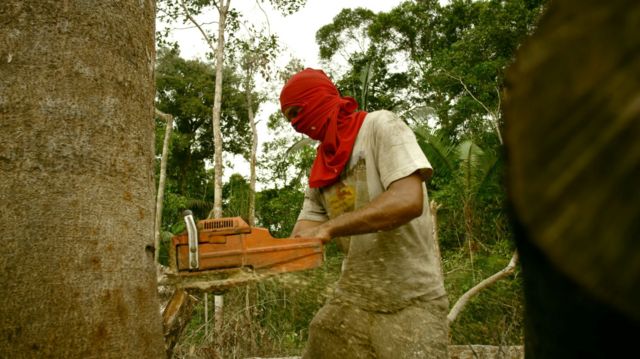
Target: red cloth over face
[325,116]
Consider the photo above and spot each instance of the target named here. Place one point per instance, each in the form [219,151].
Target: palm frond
[198,204]
[299,145]
[490,167]
[438,151]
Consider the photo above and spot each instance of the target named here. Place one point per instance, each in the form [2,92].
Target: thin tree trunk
[161,181]
[252,158]
[217,138]
[468,230]
[434,207]
[77,180]
[218,50]
[206,317]
[218,304]
[223,10]
[216,212]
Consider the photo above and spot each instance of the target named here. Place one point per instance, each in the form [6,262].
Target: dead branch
[175,318]
[464,299]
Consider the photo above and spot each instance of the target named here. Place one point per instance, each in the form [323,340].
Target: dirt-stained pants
[343,331]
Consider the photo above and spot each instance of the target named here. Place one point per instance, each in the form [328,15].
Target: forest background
[439,66]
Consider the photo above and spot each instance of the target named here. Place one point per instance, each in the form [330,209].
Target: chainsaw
[223,248]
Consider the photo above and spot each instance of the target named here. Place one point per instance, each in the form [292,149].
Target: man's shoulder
[381,116]
[384,123]
[378,121]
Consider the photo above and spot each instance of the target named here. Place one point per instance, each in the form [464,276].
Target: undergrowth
[271,318]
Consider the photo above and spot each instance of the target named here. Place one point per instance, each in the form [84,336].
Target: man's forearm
[303,225]
[372,218]
[401,203]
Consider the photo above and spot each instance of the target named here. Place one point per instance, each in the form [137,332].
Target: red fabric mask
[324,116]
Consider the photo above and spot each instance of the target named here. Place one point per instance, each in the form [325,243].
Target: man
[367,183]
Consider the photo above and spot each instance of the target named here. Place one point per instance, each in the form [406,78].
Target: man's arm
[399,204]
[303,225]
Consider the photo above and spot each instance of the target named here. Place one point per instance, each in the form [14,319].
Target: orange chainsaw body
[231,243]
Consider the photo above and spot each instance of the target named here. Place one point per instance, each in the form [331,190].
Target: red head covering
[324,116]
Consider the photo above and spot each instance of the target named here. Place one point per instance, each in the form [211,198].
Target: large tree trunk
[77,188]
[572,133]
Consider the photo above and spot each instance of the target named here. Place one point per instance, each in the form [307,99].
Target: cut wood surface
[215,281]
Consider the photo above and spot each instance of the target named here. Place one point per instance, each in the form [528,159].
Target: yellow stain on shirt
[341,199]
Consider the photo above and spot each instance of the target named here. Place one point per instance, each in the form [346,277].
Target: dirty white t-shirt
[387,270]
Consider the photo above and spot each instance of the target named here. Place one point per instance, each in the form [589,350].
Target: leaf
[300,145]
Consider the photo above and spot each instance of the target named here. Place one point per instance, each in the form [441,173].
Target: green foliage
[284,164]
[287,158]
[467,184]
[287,7]
[371,78]
[495,316]
[278,208]
[235,197]
[448,57]
[185,90]
[347,27]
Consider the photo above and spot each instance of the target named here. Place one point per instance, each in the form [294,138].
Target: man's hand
[312,229]
[321,232]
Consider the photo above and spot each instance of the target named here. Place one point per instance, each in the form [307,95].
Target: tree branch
[206,37]
[266,17]
[193,27]
[493,114]
[464,299]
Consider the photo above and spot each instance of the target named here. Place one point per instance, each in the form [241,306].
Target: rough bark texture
[572,130]
[77,189]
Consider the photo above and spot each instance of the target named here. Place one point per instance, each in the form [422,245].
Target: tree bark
[77,188]
[572,109]
[223,10]
[252,155]
[161,181]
